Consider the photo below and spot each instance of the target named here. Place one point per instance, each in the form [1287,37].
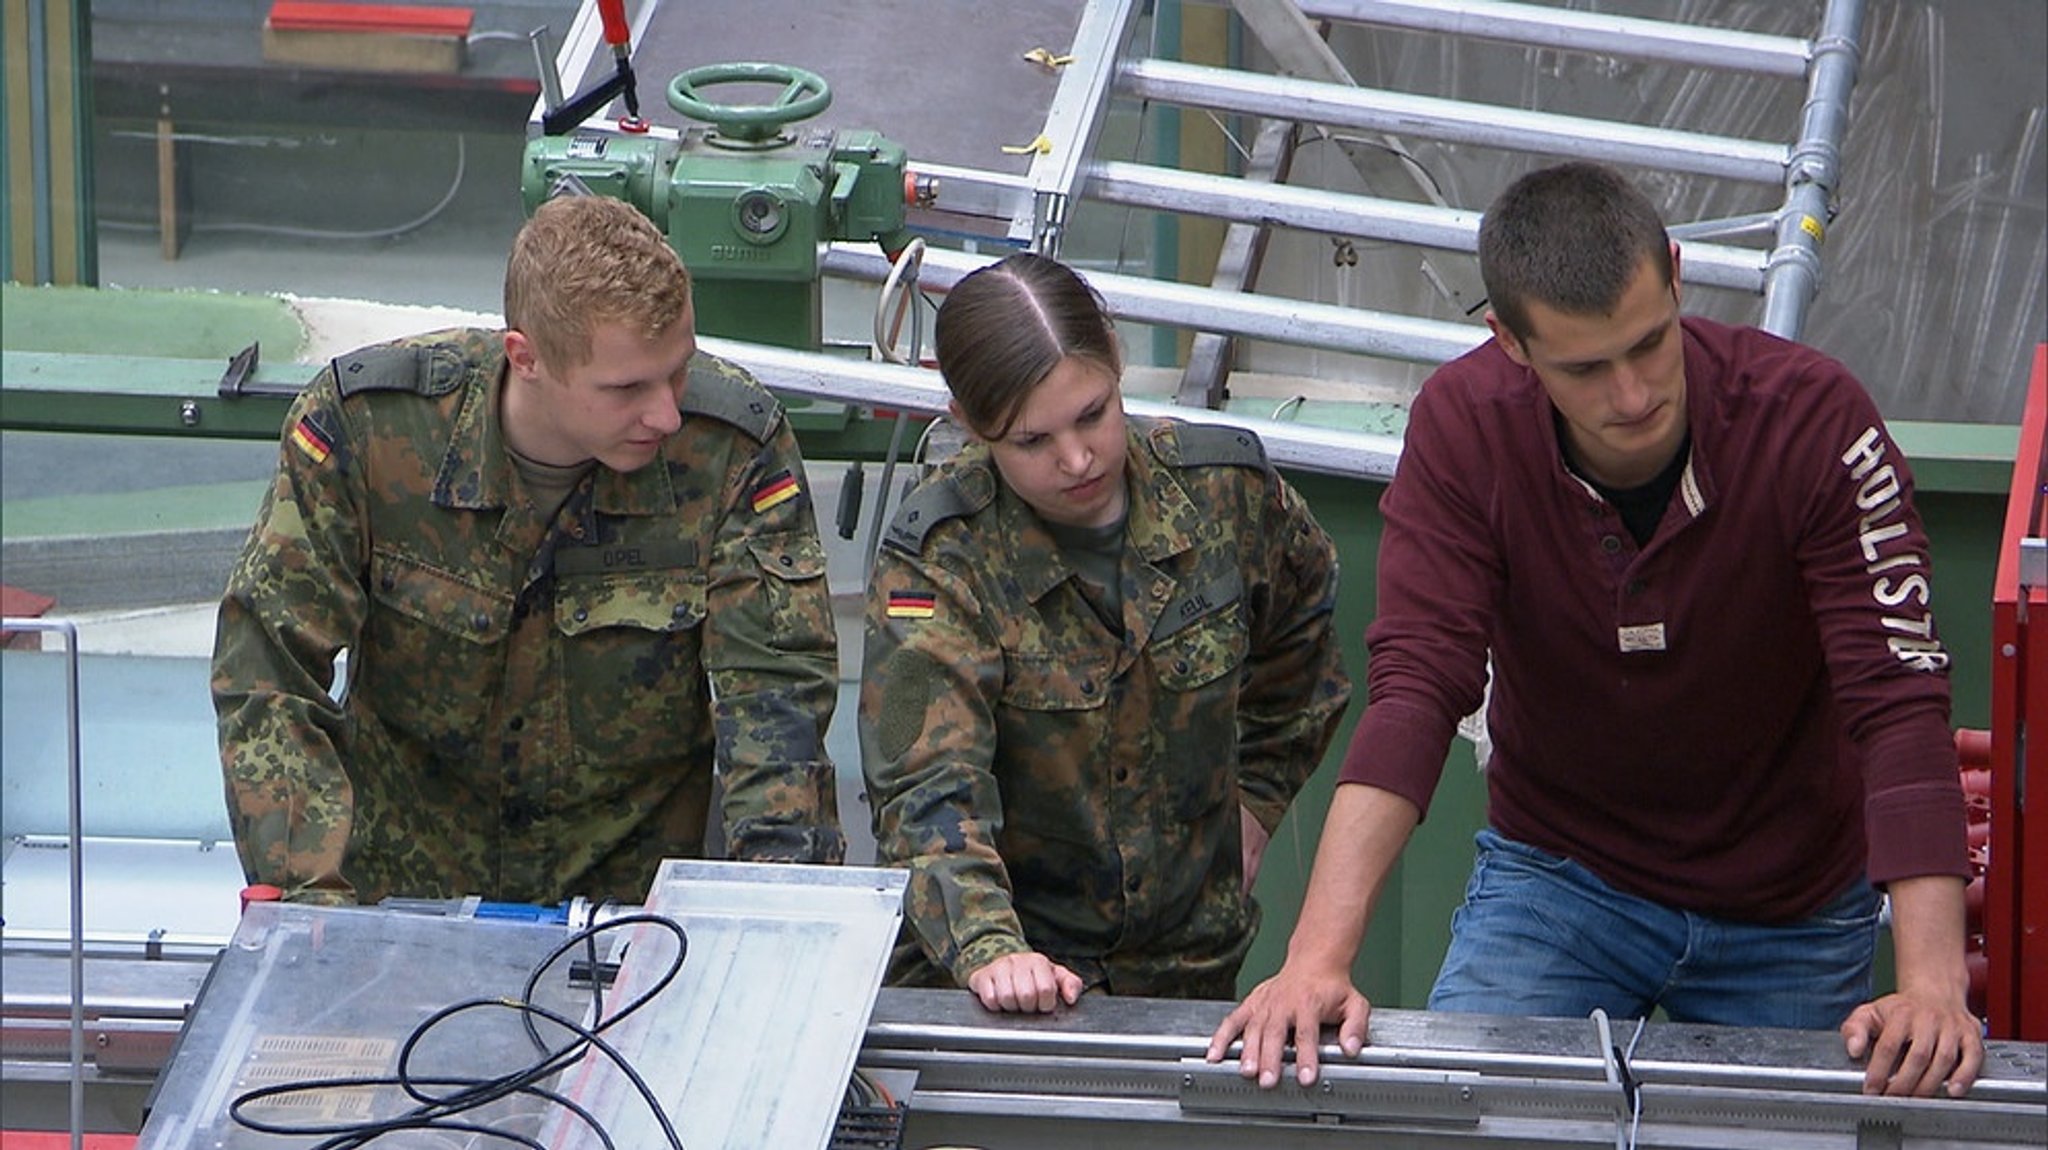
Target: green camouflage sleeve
[773,657]
[1296,689]
[929,682]
[294,601]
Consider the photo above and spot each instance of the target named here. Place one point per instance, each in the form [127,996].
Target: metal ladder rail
[1829,62]
[1808,167]
[75,844]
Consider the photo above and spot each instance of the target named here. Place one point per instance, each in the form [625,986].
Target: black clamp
[239,380]
[241,368]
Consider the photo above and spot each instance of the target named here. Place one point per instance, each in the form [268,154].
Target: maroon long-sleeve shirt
[1737,718]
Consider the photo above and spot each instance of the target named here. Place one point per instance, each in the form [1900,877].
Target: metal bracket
[239,382]
[1380,1094]
[2033,562]
[240,369]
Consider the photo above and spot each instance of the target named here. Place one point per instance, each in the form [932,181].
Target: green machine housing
[747,217]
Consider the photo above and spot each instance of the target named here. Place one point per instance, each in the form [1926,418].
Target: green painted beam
[148,395]
[1971,458]
[155,395]
[140,395]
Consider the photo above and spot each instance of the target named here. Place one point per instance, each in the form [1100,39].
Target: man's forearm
[1927,936]
[1363,836]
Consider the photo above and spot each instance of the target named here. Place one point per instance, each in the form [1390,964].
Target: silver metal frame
[1295,445]
[1574,31]
[1361,217]
[1133,1071]
[75,844]
[1788,274]
[1033,210]
[1074,121]
[1813,171]
[1452,121]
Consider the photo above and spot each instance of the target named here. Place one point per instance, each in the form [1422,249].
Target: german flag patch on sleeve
[307,437]
[779,488]
[912,604]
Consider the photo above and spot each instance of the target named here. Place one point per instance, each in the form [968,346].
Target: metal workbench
[1129,1073]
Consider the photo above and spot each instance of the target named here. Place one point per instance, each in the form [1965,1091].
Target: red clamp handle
[617,32]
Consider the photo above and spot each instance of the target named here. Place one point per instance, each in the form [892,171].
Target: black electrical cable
[482,1093]
[358,1133]
[440,1112]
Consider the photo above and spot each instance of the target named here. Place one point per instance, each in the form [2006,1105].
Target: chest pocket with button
[1061,681]
[1051,738]
[432,653]
[790,561]
[632,660]
[1203,652]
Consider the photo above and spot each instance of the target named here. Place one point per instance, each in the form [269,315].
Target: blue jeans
[1541,935]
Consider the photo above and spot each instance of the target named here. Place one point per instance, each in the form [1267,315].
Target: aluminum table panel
[762,1027]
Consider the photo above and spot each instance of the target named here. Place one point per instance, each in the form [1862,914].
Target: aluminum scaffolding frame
[1037,208]
[1773,253]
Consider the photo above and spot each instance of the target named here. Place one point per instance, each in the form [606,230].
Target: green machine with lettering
[746,201]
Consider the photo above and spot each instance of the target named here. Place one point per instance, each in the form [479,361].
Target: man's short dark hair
[1569,237]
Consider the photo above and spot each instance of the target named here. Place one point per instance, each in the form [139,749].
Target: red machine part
[393,19]
[617,32]
[2015,914]
[1973,754]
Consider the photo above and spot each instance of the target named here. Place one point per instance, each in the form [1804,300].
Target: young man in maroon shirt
[1719,708]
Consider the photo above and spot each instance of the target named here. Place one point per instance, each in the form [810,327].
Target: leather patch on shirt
[1643,637]
[615,557]
[1196,602]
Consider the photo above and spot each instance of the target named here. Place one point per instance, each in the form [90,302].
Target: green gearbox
[747,201]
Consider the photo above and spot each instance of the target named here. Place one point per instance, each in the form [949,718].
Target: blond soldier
[572,565]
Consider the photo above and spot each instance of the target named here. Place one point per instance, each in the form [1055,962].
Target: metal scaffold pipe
[1357,217]
[1565,29]
[1305,447]
[1451,121]
[1139,300]
[1792,274]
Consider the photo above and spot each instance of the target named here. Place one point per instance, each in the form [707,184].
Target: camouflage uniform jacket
[1060,786]
[532,708]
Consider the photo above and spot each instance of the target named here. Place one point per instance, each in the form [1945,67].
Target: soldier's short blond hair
[585,260]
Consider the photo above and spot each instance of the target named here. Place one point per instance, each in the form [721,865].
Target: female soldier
[1099,665]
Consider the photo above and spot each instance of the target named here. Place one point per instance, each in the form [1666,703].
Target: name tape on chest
[620,558]
[1196,603]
